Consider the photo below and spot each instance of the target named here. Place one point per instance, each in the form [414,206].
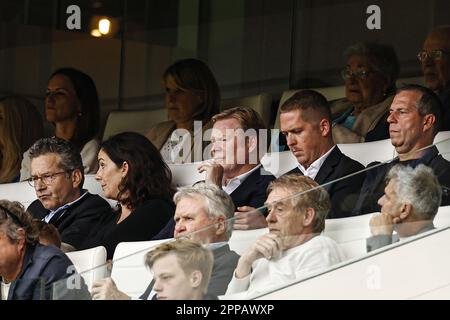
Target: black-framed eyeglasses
[46,179]
[360,74]
[434,55]
[13,216]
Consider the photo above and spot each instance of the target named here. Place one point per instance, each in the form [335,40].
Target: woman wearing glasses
[20,126]
[369,76]
[72,106]
[132,171]
[26,266]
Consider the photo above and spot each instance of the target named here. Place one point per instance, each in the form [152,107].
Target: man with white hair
[410,202]
[202,214]
[238,142]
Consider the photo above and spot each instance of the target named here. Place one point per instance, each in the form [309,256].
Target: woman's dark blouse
[142,224]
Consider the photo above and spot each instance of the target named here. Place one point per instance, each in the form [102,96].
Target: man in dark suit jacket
[237,135]
[203,212]
[411,132]
[305,122]
[57,176]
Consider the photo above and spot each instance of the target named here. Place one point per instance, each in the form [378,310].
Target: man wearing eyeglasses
[57,177]
[435,61]
[414,120]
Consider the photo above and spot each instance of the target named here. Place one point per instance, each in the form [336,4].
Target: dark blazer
[43,267]
[344,193]
[444,96]
[141,225]
[252,191]
[225,261]
[374,184]
[76,222]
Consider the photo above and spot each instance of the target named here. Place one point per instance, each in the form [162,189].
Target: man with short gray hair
[57,177]
[410,202]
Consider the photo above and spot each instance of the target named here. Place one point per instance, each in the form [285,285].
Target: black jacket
[253,190]
[141,225]
[374,184]
[344,193]
[78,221]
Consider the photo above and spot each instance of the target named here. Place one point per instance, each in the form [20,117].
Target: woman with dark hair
[192,94]
[132,172]
[370,74]
[72,106]
[20,126]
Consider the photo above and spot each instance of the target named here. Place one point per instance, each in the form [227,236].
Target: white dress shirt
[234,183]
[314,168]
[296,263]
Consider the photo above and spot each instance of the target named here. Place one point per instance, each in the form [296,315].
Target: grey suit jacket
[225,261]
[379,241]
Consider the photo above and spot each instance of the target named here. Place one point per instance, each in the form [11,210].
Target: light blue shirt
[52,213]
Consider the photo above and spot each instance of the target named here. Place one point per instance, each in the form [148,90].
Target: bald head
[437,71]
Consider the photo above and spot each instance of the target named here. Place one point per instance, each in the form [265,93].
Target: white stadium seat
[18,191]
[185,174]
[442,218]
[90,263]
[368,152]
[242,239]
[261,103]
[128,270]
[94,187]
[139,121]
[350,233]
[279,163]
[442,141]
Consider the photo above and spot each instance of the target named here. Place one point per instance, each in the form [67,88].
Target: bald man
[435,60]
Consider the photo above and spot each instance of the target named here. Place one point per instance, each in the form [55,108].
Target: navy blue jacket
[43,268]
[374,184]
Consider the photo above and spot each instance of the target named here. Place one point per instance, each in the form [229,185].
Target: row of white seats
[132,276]
[141,121]
[338,92]
[413,269]
[277,163]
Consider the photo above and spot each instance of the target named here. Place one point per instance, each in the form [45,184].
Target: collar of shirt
[51,214]
[215,245]
[314,168]
[236,181]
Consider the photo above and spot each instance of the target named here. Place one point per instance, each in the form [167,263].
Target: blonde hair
[191,256]
[247,117]
[22,126]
